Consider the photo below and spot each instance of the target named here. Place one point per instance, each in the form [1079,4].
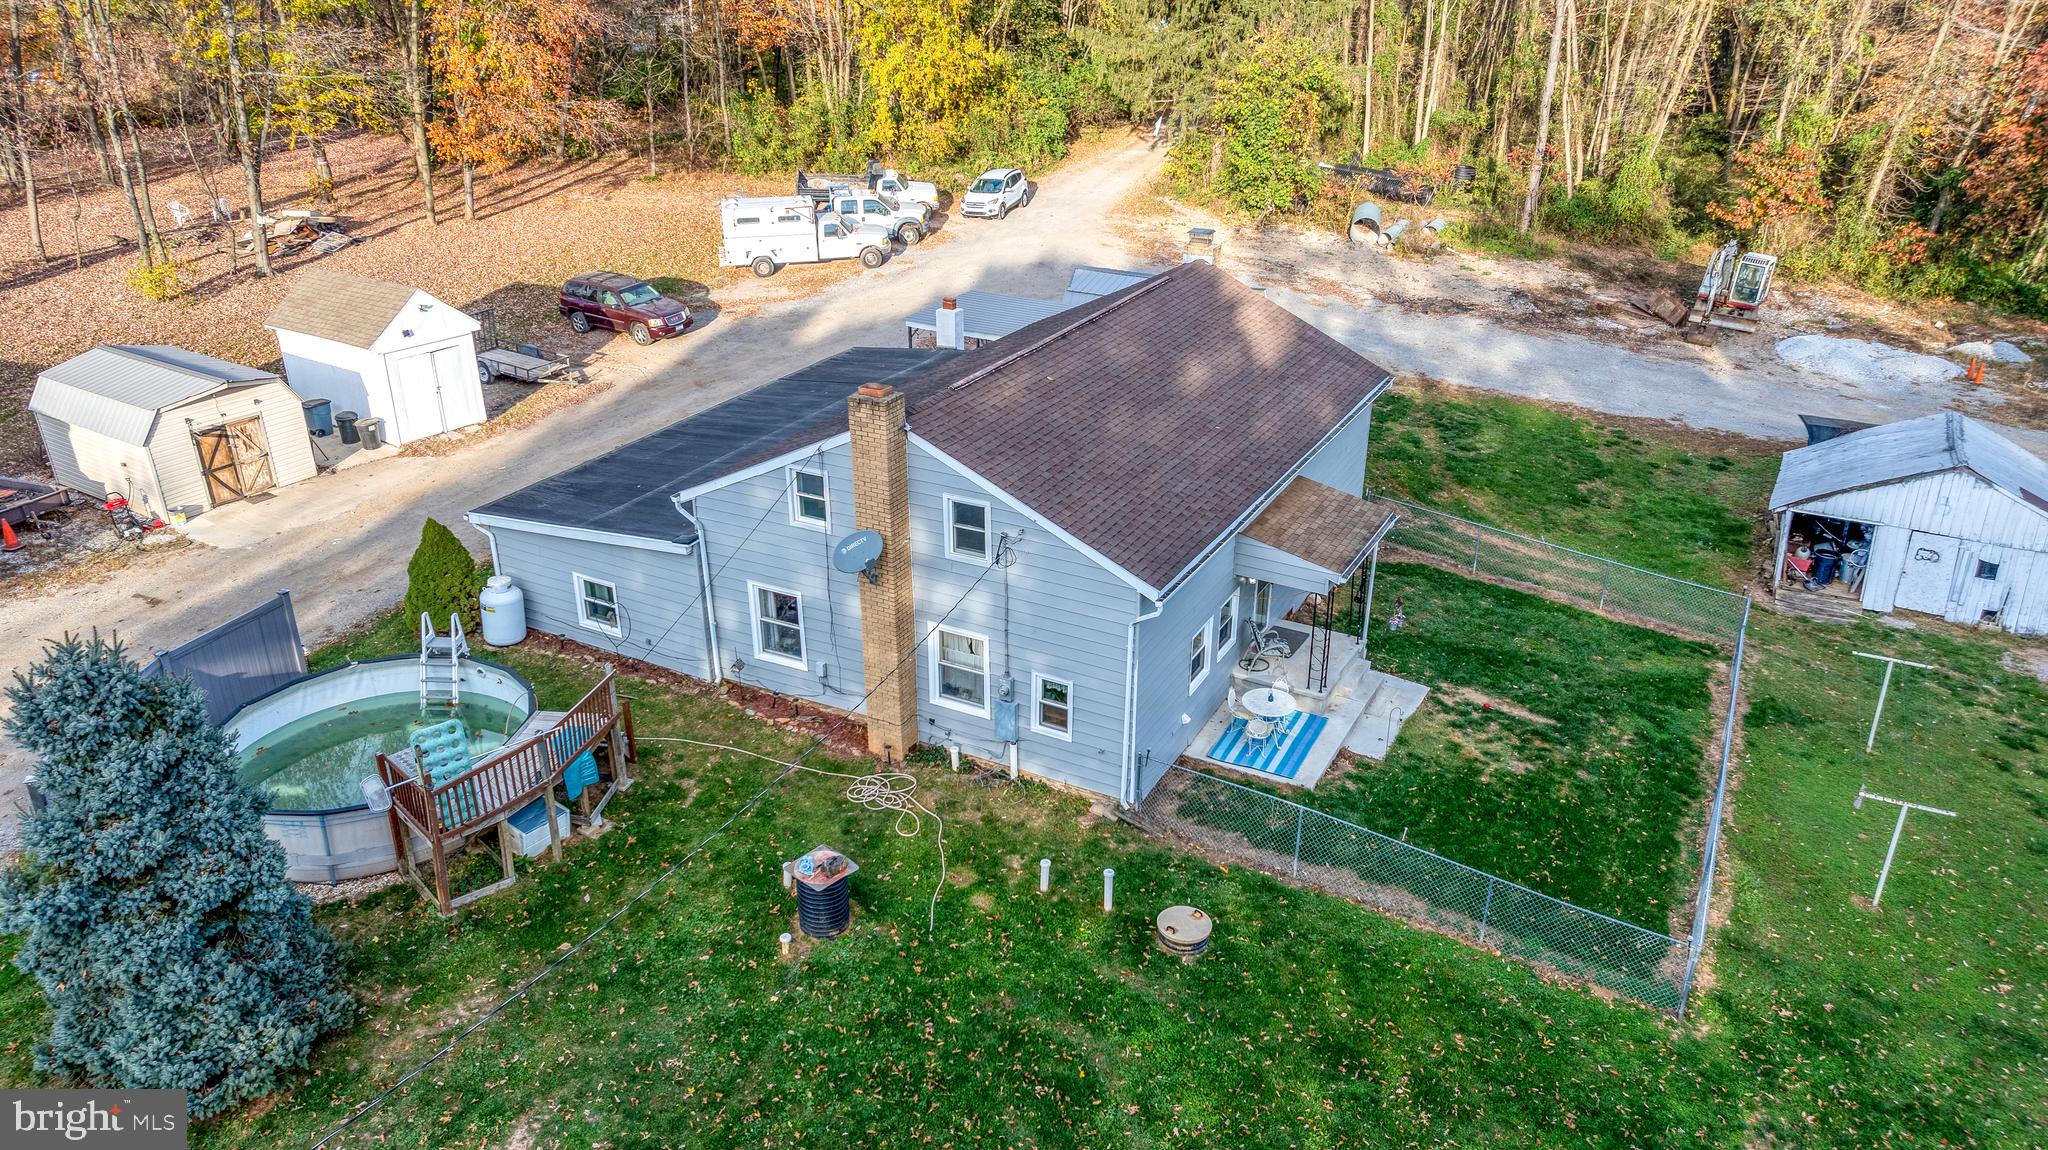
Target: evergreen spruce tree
[442,579]
[170,949]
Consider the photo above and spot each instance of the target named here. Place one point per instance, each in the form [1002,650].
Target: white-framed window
[1226,625]
[960,670]
[1198,657]
[1052,707]
[809,503]
[597,605]
[778,625]
[967,529]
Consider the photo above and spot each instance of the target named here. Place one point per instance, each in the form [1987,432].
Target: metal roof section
[626,490]
[1905,450]
[1085,283]
[117,390]
[989,315]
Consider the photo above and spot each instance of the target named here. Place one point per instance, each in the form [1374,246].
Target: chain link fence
[1291,841]
[1594,582]
[1297,842]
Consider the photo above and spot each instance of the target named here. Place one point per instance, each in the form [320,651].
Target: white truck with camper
[905,221]
[766,232]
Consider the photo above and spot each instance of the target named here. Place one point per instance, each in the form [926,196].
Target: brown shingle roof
[1320,524]
[335,305]
[1146,423]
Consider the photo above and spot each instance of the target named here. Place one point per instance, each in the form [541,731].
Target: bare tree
[1543,117]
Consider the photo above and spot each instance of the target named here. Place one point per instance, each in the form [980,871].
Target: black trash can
[345,424]
[823,902]
[372,430]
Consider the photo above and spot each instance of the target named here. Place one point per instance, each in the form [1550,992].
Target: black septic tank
[822,906]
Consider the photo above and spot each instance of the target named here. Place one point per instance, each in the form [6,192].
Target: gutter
[1127,783]
[704,593]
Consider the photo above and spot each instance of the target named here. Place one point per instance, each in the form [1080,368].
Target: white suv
[995,192]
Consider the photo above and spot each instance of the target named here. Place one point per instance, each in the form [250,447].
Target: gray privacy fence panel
[1594,582]
[246,657]
[1292,841]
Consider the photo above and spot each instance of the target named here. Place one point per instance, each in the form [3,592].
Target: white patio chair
[1257,730]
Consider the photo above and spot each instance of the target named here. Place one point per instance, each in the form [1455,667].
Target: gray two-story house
[1085,529]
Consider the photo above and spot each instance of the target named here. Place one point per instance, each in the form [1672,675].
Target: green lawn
[1558,749]
[1646,497]
[1023,1020]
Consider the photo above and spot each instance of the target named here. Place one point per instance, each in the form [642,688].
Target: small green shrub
[442,579]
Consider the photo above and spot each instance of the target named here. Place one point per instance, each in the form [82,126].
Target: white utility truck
[766,232]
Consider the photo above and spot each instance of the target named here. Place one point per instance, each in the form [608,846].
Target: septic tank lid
[822,866]
[1184,929]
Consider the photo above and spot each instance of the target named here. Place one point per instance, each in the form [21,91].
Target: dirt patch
[2027,661]
[1484,701]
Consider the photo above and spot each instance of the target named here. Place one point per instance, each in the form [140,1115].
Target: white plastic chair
[1258,730]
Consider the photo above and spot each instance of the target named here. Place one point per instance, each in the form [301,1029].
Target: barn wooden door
[235,459]
[252,455]
[217,463]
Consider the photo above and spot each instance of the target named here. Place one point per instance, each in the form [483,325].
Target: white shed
[380,349]
[1955,517]
[169,429]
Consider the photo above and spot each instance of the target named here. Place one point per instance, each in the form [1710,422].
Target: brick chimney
[875,418]
[951,325]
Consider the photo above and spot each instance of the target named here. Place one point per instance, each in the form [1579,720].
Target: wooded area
[1902,144]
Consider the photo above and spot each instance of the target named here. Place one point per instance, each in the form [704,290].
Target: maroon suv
[622,303]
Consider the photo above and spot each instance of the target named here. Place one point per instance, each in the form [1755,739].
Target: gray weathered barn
[1954,514]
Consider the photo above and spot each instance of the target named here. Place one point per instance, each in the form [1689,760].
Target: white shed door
[425,381]
[1929,574]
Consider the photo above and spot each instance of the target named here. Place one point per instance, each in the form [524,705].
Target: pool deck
[535,723]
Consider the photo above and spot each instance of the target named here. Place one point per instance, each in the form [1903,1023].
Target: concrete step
[1392,702]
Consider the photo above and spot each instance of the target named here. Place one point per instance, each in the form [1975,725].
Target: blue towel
[582,773]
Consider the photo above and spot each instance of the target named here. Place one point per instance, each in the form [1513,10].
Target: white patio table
[1269,703]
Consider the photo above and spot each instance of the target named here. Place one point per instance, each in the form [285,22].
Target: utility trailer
[1735,285]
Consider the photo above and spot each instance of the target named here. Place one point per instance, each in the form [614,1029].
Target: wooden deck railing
[507,778]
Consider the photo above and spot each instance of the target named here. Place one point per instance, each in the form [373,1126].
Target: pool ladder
[441,662]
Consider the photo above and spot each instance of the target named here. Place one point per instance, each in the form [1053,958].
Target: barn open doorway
[1826,555]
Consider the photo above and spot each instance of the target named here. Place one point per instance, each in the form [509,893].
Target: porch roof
[1312,533]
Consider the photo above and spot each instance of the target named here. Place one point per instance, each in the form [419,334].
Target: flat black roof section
[626,490]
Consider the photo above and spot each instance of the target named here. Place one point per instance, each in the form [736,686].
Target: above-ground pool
[310,744]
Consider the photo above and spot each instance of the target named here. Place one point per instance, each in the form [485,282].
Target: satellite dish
[858,553]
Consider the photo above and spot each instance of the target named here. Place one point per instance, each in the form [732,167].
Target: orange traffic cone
[1976,370]
[8,542]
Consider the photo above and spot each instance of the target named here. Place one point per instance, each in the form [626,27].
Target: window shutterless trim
[617,627]
[938,685]
[988,531]
[755,619]
[797,496]
[1038,682]
[1206,634]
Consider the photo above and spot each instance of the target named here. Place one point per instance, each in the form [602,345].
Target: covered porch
[1302,681]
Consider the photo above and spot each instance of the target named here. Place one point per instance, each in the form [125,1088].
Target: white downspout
[1128,784]
[703,550]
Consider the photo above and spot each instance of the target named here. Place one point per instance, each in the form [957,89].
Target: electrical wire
[877,791]
[790,768]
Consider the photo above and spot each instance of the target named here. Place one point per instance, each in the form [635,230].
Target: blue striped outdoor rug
[1282,752]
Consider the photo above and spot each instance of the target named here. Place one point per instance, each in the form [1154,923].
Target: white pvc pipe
[1108,889]
[1044,875]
